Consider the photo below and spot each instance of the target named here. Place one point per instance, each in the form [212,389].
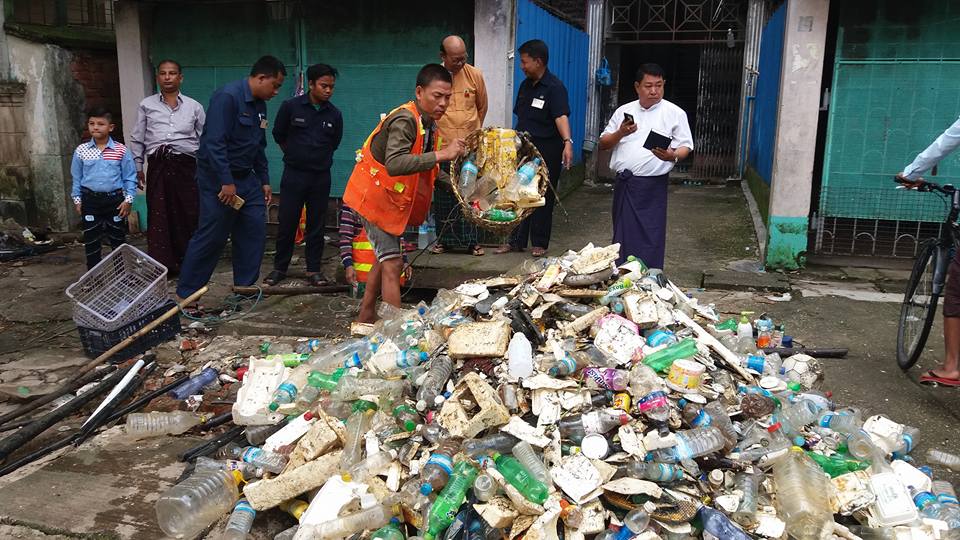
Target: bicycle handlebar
[923,185]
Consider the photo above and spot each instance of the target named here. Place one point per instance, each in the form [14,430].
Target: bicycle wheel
[918,309]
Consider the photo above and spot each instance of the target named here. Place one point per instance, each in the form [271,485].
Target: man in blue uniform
[232,179]
[308,128]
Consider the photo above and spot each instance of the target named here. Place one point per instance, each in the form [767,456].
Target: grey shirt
[158,124]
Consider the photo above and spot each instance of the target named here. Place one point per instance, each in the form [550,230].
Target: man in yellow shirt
[465,114]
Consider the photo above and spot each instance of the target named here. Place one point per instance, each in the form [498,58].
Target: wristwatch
[676,159]
[568,141]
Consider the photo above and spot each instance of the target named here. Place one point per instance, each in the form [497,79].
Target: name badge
[538,103]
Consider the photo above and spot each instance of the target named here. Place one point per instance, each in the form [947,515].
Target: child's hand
[77,206]
[124,209]
[350,274]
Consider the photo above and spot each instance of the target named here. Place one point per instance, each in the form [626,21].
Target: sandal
[477,250]
[274,277]
[438,249]
[506,248]
[538,252]
[317,280]
[932,378]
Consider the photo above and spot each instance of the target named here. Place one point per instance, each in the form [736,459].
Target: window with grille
[77,13]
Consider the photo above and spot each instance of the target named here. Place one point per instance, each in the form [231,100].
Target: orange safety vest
[391,202]
[364,257]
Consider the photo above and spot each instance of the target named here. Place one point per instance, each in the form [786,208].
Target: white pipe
[595,15]
[117,389]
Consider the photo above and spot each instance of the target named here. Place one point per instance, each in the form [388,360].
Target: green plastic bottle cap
[794,385]
[274,406]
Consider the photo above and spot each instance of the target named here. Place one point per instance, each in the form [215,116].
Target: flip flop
[274,277]
[477,251]
[318,280]
[538,252]
[438,249]
[932,378]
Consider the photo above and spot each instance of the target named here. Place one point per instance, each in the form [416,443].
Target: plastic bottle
[350,353]
[189,507]
[258,457]
[764,364]
[797,415]
[441,367]
[436,472]
[247,470]
[945,494]
[390,531]
[802,495]
[373,465]
[407,416]
[344,526]
[661,360]
[712,414]
[240,522]
[692,443]
[568,364]
[571,514]
[656,472]
[352,388]
[521,478]
[498,442]
[634,523]
[194,385]
[606,378]
[294,507]
[858,442]
[906,441]
[772,440]
[153,424]
[357,424]
[443,510]
[744,328]
[527,457]
[621,286]
[836,465]
[526,172]
[290,360]
[317,383]
[309,346]
[500,215]
[520,356]
[649,395]
[287,534]
[468,176]
[748,484]
[718,525]
[485,487]
[288,389]
[948,460]
[576,427]
[592,356]
[932,508]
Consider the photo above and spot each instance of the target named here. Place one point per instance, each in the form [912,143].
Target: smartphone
[237,202]
[629,117]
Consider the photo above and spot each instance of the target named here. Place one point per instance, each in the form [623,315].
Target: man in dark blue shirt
[232,179]
[308,128]
[543,111]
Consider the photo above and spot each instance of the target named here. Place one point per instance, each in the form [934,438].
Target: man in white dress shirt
[640,191]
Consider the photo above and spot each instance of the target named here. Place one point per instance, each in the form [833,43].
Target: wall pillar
[133,60]
[494,34]
[794,150]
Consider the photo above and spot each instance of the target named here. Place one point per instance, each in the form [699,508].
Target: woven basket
[526,152]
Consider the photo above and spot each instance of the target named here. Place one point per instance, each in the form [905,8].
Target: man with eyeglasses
[465,114]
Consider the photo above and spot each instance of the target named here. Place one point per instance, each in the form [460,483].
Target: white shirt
[663,117]
[938,149]
[158,124]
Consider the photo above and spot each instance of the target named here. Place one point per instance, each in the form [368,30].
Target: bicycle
[927,278]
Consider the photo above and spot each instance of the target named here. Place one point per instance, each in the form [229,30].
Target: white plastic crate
[126,285]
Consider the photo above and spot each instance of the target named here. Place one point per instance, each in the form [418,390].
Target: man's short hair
[169,61]
[653,70]
[100,112]
[433,72]
[536,49]
[316,71]
[269,66]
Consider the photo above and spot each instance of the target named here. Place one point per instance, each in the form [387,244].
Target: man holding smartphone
[648,136]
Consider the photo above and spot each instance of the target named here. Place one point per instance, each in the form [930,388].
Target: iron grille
[718,104]
[691,21]
[85,13]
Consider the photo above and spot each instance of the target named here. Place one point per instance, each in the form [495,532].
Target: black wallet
[656,140]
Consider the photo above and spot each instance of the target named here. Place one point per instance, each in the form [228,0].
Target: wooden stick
[728,356]
[43,400]
[268,290]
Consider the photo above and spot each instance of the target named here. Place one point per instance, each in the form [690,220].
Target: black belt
[240,174]
[104,194]
[167,152]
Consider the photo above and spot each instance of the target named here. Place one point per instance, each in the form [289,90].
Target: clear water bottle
[441,367]
[647,390]
[795,416]
[656,472]
[713,414]
[948,460]
[578,426]
[634,523]
[189,507]
[352,388]
[485,487]
[258,457]
[240,522]
[526,173]
[194,385]
[718,525]
[748,484]
[802,495]
[309,346]
[930,507]
[358,424]
[528,457]
[249,471]
[344,526]
[370,467]
[350,353]
[154,424]
[437,471]
[692,443]
[944,492]
[468,176]
[498,442]
[289,389]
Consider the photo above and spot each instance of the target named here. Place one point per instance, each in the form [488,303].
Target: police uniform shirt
[539,104]
[233,142]
[308,133]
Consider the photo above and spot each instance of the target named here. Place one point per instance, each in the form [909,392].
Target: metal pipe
[751,66]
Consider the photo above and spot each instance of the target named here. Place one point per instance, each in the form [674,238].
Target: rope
[233,306]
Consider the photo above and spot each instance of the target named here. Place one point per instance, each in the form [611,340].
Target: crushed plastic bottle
[154,424]
[258,457]
[441,368]
[948,460]
[802,495]
[189,507]
[194,385]
[521,478]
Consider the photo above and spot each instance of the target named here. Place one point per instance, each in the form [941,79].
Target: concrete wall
[136,76]
[53,108]
[15,198]
[494,30]
[797,115]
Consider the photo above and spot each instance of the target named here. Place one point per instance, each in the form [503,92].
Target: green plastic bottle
[519,477]
[325,381]
[390,531]
[661,360]
[496,214]
[289,359]
[407,416]
[362,405]
[837,465]
[445,508]
[729,324]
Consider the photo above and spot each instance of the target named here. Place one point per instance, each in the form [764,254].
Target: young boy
[356,252]
[104,185]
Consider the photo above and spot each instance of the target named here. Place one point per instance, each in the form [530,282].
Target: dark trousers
[298,188]
[172,206]
[247,228]
[101,221]
[536,229]
[640,217]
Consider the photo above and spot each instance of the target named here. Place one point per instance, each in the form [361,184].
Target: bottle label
[652,400]
[605,378]
[591,422]
[243,506]
[907,443]
[352,361]
[567,364]
[755,363]
[621,400]
[924,498]
[825,421]
[251,454]
[946,498]
[443,461]
[287,390]
[702,419]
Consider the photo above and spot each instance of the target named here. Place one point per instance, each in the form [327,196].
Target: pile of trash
[575,399]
